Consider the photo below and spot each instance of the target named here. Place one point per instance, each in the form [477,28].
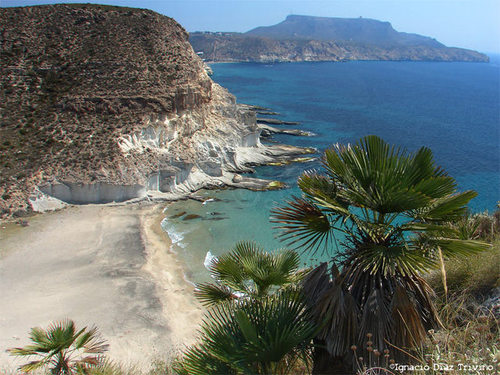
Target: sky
[473,24]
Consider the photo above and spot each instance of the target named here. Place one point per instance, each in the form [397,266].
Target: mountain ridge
[361,30]
[311,38]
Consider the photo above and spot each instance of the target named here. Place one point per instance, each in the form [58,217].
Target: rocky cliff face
[307,38]
[242,48]
[104,104]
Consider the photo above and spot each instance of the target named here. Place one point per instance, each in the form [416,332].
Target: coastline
[173,289]
[103,265]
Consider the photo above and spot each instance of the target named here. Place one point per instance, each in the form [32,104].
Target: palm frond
[452,247]
[286,262]
[198,360]
[92,342]
[34,365]
[392,260]
[227,269]
[375,319]
[446,208]
[254,334]
[58,346]
[314,185]
[408,328]
[248,271]
[212,294]
[302,224]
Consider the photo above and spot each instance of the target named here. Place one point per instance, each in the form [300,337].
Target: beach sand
[108,266]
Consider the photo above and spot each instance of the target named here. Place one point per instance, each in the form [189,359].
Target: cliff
[102,104]
[307,38]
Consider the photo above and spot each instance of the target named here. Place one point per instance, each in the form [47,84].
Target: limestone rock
[103,104]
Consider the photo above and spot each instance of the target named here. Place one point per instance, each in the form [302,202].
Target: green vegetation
[62,349]
[378,196]
[248,272]
[258,322]
[471,330]
[472,276]
[404,226]
[269,335]
[476,276]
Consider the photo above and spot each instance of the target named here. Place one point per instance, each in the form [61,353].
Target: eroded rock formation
[103,104]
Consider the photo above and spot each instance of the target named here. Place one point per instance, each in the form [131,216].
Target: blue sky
[471,24]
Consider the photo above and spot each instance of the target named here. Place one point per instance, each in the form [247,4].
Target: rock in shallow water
[178,215]
[191,217]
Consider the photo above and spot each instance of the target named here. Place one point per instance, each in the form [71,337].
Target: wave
[209,258]
[175,235]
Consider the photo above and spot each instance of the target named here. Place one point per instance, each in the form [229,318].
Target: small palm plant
[62,348]
[257,322]
[247,271]
[256,336]
[381,199]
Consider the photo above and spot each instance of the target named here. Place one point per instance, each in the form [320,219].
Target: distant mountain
[308,38]
[359,30]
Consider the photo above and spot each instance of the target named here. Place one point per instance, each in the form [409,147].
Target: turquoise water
[453,108]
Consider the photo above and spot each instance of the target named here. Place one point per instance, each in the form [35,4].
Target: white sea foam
[186,279]
[175,235]
[209,258]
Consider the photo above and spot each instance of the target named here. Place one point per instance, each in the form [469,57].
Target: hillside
[308,38]
[359,30]
[101,103]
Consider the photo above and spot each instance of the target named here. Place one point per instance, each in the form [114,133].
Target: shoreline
[173,288]
[105,265]
[245,157]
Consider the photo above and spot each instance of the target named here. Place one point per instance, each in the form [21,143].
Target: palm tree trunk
[325,364]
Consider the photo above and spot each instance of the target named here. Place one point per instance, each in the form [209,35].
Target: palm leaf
[375,319]
[212,294]
[450,207]
[452,247]
[253,336]
[302,224]
[314,185]
[408,328]
[248,271]
[34,365]
[58,345]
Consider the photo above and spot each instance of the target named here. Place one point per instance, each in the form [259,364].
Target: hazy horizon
[472,24]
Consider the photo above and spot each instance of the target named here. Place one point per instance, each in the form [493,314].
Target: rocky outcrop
[307,38]
[102,104]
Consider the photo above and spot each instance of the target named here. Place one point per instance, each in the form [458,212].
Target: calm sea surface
[453,108]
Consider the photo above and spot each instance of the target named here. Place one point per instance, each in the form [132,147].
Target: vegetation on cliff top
[73,79]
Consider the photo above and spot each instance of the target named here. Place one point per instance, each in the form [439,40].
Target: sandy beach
[108,266]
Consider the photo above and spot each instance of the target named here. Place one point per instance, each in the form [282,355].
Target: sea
[452,108]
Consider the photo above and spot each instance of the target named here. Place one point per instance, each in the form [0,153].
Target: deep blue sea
[452,108]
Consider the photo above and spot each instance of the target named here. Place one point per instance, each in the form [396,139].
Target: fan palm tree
[62,348]
[247,271]
[379,198]
[256,336]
